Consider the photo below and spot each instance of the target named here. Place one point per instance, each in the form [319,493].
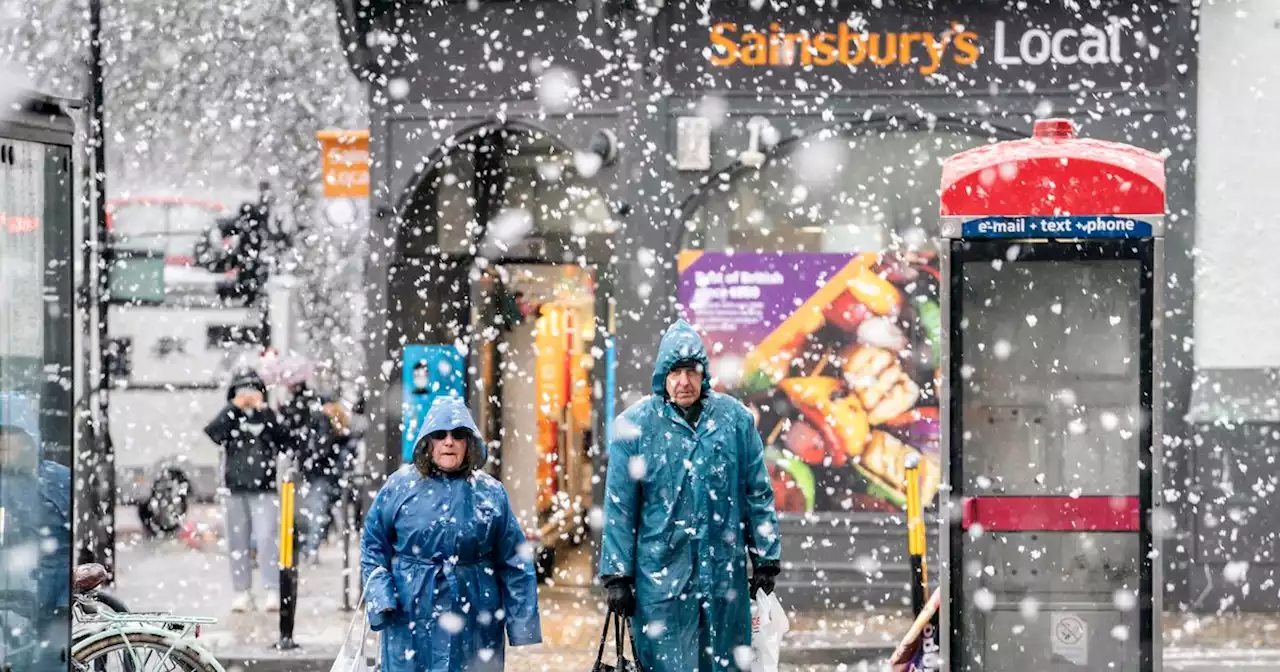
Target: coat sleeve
[223,424]
[761,518]
[621,509]
[517,581]
[376,550]
[283,441]
[55,548]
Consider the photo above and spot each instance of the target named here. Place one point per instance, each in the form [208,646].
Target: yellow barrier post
[288,570]
[915,533]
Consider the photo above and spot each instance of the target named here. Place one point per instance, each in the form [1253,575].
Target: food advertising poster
[836,356]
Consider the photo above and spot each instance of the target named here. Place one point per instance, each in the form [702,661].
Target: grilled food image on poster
[837,357]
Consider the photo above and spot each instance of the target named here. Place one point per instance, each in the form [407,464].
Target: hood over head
[450,412]
[679,344]
[17,413]
[246,378]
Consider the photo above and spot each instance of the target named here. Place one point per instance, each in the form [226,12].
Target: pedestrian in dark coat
[322,448]
[252,439]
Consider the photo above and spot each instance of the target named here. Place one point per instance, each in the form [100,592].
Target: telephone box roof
[1053,173]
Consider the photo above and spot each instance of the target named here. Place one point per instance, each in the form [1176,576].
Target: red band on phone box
[1052,514]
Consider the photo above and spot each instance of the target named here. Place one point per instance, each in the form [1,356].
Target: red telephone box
[1051,278]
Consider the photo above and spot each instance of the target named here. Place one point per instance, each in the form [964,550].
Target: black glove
[763,578]
[622,596]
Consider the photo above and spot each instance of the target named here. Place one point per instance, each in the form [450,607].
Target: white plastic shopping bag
[359,652]
[769,623]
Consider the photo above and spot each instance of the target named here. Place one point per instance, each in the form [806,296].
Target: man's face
[16,451]
[249,397]
[684,385]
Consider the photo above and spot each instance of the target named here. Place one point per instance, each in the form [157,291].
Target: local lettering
[928,52]
[1089,45]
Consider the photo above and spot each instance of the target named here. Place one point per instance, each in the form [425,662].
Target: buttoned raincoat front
[446,556]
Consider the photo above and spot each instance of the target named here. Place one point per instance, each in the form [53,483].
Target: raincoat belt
[440,561]
[443,569]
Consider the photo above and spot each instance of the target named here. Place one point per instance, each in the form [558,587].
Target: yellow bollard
[288,573]
[915,533]
[286,524]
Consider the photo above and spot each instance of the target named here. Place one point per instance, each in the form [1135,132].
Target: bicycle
[106,640]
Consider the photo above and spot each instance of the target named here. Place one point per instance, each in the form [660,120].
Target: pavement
[190,575]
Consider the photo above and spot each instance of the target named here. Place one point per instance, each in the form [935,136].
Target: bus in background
[171,360]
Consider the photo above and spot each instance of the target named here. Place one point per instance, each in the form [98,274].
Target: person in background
[687,501]
[445,564]
[35,517]
[253,439]
[322,435]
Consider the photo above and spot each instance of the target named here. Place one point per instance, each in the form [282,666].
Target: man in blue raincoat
[446,566]
[687,501]
[35,506]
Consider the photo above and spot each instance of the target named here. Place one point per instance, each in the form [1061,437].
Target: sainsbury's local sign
[885,49]
[925,51]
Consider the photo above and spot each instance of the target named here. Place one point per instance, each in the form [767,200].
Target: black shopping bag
[620,631]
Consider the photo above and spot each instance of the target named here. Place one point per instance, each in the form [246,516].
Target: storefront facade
[37,251]
[725,161]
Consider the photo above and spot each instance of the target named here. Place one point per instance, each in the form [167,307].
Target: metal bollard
[348,513]
[357,500]
[288,568]
[915,533]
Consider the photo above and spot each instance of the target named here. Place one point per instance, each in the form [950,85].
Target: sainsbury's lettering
[845,46]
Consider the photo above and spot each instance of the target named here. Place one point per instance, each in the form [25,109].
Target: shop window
[834,192]
[839,226]
[505,193]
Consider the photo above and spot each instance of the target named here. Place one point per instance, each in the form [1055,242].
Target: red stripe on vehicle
[1052,514]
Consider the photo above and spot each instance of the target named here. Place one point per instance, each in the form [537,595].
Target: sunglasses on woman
[459,434]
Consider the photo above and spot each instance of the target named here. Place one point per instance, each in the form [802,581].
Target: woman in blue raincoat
[446,566]
[687,502]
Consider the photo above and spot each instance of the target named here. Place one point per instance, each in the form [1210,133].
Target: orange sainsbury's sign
[732,44]
[345,163]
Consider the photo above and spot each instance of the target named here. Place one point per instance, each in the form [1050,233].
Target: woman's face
[449,448]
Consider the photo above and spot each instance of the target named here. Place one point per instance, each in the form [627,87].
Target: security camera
[604,144]
[759,130]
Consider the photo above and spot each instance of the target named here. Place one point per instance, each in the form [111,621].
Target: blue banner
[1092,226]
[429,371]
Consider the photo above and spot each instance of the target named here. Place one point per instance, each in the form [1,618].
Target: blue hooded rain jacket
[446,566]
[35,502]
[36,496]
[684,508]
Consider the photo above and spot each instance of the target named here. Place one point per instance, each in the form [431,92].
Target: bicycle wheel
[141,652]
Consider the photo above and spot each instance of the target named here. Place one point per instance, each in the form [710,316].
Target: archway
[498,249]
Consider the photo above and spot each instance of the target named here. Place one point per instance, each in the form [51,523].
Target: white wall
[1237,310]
